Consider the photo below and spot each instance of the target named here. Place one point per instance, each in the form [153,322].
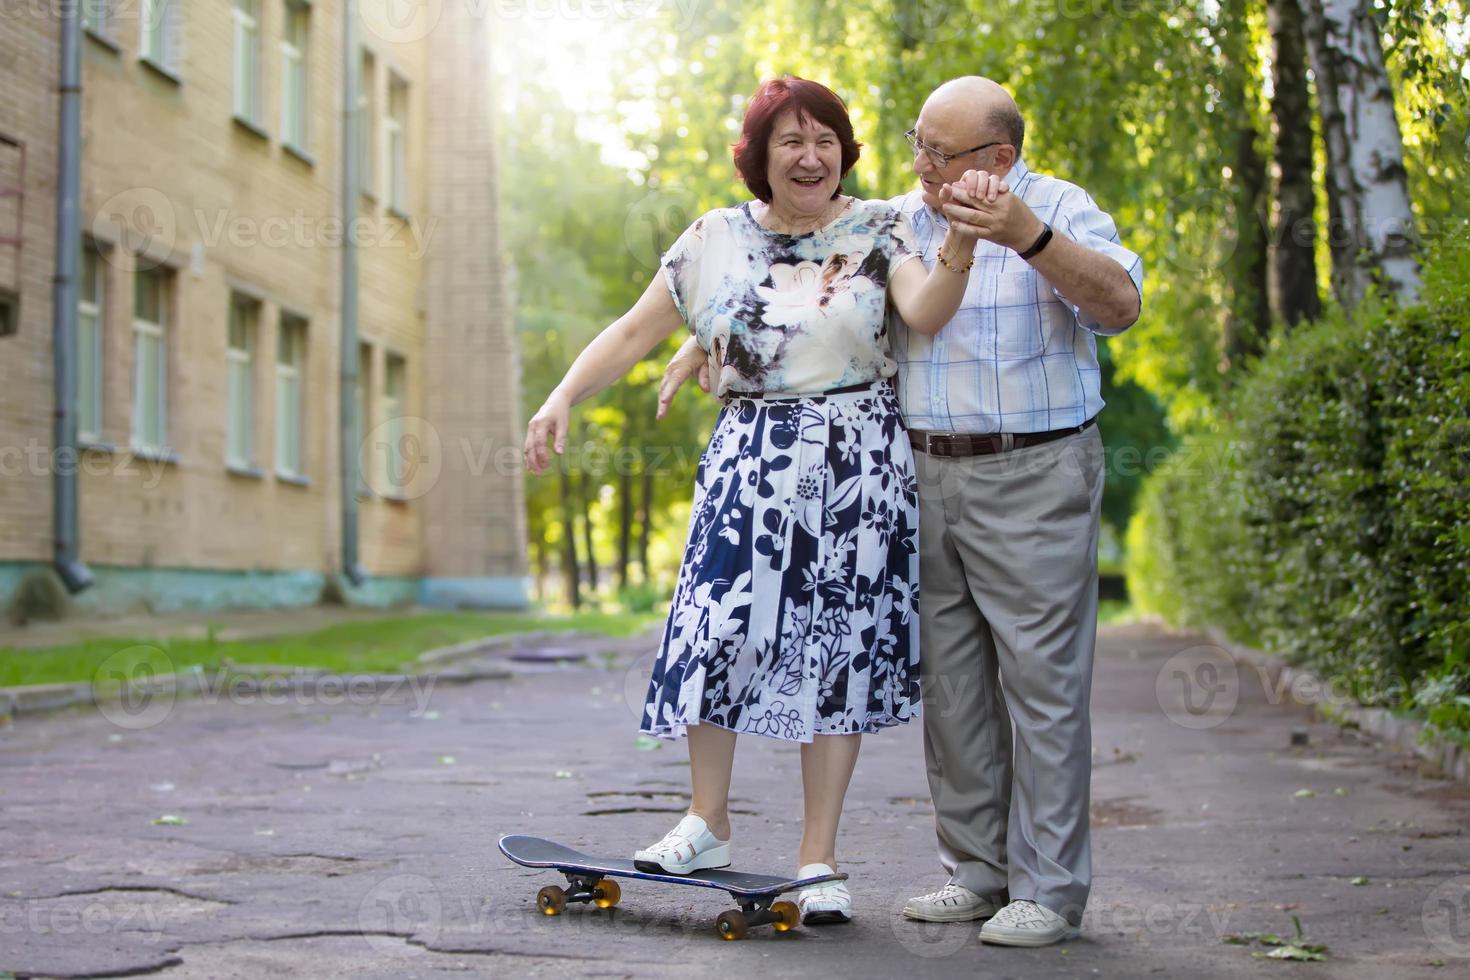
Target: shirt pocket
[1013,315]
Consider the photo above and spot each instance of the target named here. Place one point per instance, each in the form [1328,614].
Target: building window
[240,382]
[90,318]
[290,379]
[293,73]
[97,17]
[395,379]
[396,137]
[367,124]
[152,290]
[246,17]
[161,40]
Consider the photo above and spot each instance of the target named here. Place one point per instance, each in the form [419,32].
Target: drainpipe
[66,547]
[351,181]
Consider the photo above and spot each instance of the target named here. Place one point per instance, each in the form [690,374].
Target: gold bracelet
[945,262]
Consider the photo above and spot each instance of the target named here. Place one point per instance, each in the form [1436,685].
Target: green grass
[379,645]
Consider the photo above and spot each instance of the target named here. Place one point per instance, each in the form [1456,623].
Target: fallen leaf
[1304,793]
[1360,880]
[170,820]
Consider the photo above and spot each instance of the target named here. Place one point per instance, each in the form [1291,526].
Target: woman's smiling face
[804,163]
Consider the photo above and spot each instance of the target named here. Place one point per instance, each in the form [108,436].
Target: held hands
[980,204]
[554,419]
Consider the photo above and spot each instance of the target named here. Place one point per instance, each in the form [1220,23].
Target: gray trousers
[1008,599]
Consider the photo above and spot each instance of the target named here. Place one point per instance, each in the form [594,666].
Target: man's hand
[690,361]
[982,204]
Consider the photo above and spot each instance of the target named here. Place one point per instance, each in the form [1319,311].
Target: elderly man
[1001,407]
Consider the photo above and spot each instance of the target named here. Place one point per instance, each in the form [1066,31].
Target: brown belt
[949,444]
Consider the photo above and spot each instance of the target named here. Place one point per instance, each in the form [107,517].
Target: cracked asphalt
[311,835]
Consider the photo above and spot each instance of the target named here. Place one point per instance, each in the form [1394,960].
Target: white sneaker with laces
[1025,923]
[952,903]
[823,903]
[688,847]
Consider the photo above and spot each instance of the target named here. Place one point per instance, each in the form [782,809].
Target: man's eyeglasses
[939,157]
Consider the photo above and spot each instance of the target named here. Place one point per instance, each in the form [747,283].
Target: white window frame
[392,427]
[245,72]
[395,144]
[163,45]
[240,370]
[290,397]
[294,111]
[91,326]
[143,332]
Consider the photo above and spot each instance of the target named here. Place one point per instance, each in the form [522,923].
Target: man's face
[949,132]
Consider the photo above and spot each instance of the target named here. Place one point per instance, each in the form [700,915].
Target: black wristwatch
[1041,242]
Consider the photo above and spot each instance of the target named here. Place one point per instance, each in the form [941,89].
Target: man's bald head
[978,105]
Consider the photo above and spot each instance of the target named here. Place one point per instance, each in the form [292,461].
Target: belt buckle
[930,449]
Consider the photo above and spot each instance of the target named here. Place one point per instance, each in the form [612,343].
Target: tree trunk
[645,524]
[1365,150]
[1248,321]
[625,526]
[587,493]
[569,541]
[1296,197]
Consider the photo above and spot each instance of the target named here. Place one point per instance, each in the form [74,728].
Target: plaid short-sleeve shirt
[1018,356]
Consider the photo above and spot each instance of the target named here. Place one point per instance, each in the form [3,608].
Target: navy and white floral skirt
[797,611]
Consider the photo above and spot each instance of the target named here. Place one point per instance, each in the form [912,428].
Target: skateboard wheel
[731,924]
[552,900]
[787,916]
[606,894]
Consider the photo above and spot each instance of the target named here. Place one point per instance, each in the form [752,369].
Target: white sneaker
[1025,923]
[952,903]
[688,847]
[822,903]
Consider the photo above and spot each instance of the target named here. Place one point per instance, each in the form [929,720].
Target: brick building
[212,395]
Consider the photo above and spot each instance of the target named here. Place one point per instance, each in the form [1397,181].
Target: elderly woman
[795,613]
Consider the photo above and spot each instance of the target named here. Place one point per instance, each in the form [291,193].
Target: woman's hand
[554,419]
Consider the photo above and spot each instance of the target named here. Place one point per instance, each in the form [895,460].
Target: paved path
[358,838]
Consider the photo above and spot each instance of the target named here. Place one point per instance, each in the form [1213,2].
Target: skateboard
[589,879]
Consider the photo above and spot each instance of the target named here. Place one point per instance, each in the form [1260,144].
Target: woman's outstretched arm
[612,354]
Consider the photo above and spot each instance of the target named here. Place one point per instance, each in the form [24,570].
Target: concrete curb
[1448,757]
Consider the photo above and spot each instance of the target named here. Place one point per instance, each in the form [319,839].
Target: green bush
[1328,518]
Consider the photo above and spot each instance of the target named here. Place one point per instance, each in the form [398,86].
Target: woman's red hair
[811,100]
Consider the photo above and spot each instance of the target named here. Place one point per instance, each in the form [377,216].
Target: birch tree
[1374,233]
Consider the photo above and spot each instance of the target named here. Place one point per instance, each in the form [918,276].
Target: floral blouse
[798,313]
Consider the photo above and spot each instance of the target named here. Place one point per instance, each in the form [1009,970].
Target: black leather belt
[774,395]
[946,445]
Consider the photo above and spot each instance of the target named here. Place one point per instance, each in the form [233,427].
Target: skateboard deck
[588,878]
